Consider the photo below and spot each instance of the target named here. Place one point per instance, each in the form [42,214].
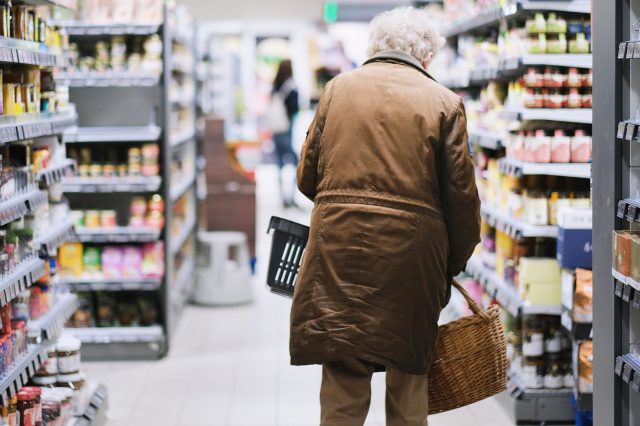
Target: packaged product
[585,367]
[83,317]
[92,260]
[112,262]
[539,147]
[560,147]
[583,297]
[148,310]
[105,309]
[580,147]
[622,251]
[128,313]
[132,262]
[70,257]
[153,260]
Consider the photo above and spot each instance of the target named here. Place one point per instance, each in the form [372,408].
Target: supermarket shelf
[119,234]
[110,284]
[519,168]
[517,389]
[183,283]
[107,335]
[485,139]
[50,325]
[510,67]
[80,28]
[67,4]
[29,126]
[55,237]
[187,230]
[628,368]
[516,228]
[21,371]
[183,186]
[627,289]
[578,331]
[113,134]
[629,50]
[18,205]
[491,18]
[54,173]
[566,115]
[119,184]
[96,412]
[629,209]
[505,294]
[25,274]
[107,79]
[183,138]
[16,51]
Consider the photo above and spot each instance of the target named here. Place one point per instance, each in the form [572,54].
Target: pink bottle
[541,147]
[580,147]
[560,147]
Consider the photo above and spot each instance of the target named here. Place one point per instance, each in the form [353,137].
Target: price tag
[630,49]
[636,382]
[632,213]
[622,207]
[626,295]
[622,50]
[619,365]
[621,128]
[619,288]
[627,373]
[636,51]
[631,131]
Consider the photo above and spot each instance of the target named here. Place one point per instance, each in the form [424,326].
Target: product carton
[621,260]
[574,238]
[540,281]
[635,260]
[568,286]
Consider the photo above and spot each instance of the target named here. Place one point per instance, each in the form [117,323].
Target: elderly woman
[396,216]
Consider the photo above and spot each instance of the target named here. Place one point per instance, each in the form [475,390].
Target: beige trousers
[345,395]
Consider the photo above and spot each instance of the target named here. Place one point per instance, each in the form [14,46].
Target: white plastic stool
[224,275]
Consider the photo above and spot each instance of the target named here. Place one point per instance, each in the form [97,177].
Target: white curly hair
[407,29]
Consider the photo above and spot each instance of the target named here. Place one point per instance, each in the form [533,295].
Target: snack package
[132,262]
[70,259]
[112,262]
[585,367]
[583,297]
[153,260]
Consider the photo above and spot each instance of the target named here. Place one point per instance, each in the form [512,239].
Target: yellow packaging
[9,98]
[70,259]
[540,281]
[504,251]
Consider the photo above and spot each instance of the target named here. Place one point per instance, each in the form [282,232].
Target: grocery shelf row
[187,231]
[486,139]
[565,115]
[108,79]
[50,325]
[112,184]
[23,276]
[16,206]
[111,284]
[184,184]
[505,294]
[96,412]
[118,234]
[112,134]
[81,28]
[30,126]
[516,228]
[57,235]
[512,10]
[578,331]
[16,51]
[517,168]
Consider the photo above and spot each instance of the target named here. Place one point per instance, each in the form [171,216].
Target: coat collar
[399,57]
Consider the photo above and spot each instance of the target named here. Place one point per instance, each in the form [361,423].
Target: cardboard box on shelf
[574,242]
[540,281]
[621,253]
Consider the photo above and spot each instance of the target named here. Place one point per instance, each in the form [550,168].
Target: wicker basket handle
[475,308]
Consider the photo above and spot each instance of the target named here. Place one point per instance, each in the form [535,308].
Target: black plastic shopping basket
[287,247]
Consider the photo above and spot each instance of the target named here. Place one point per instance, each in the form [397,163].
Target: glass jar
[554,372]
[108,219]
[574,100]
[37,394]
[13,412]
[533,372]
[68,349]
[537,208]
[553,338]
[74,382]
[92,219]
[533,345]
[27,408]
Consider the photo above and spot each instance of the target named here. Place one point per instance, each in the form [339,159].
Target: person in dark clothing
[285,91]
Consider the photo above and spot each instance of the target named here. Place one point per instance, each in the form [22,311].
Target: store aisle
[230,366]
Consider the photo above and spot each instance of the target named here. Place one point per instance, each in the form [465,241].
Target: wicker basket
[470,361]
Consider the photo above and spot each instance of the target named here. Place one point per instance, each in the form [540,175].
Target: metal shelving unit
[616,173]
[146,119]
[565,115]
[520,168]
[96,412]
[50,325]
[514,227]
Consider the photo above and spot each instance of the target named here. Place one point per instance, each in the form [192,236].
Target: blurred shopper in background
[396,216]
[282,110]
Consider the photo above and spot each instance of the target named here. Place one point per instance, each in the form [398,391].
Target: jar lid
[25,395]
[37,391]
[66,378]
[44,380]
[69,344]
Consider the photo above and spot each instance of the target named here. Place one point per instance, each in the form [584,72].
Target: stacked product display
[528,96]
[133,200]
[35,217]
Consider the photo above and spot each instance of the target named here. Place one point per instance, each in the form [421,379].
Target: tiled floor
[230,366]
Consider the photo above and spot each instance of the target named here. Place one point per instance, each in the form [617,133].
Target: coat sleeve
[459,194]
[308,166]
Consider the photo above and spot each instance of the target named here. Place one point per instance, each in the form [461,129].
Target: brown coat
[396,216]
